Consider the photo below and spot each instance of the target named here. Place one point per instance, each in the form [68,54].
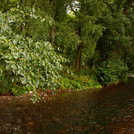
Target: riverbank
[43,96]
[46,95]
[78,81]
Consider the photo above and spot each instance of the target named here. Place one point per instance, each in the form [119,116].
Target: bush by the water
[24,61]
[82,80]
[111,71]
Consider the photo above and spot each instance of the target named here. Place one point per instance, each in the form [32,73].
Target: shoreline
[44,95]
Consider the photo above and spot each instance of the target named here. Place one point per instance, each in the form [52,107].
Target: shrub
[111,71]
[79,81]
[33,64]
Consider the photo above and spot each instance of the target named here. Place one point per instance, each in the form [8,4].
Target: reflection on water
[97,111]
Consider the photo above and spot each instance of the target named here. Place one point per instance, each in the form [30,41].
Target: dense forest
[64,44]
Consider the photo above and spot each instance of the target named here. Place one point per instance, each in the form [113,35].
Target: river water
[97,111]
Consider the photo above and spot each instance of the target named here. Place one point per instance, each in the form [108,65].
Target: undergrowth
[82,80]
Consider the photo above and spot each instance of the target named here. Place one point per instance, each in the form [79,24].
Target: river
[96,111]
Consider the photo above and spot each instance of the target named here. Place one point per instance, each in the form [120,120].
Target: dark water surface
[98,111]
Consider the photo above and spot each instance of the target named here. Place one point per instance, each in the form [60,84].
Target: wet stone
[8,125]
[19,121]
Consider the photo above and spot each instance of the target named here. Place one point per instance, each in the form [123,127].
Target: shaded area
[106,111]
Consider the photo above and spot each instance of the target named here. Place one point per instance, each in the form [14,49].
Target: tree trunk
[78,57]
[79,50]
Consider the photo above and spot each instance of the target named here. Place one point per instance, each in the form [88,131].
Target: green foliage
[7,5]
[118,35]
[110,72]
[66,40]
[7,84]
[35,64]
[30,22]
[6,77]
[18,90]
[79,81]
